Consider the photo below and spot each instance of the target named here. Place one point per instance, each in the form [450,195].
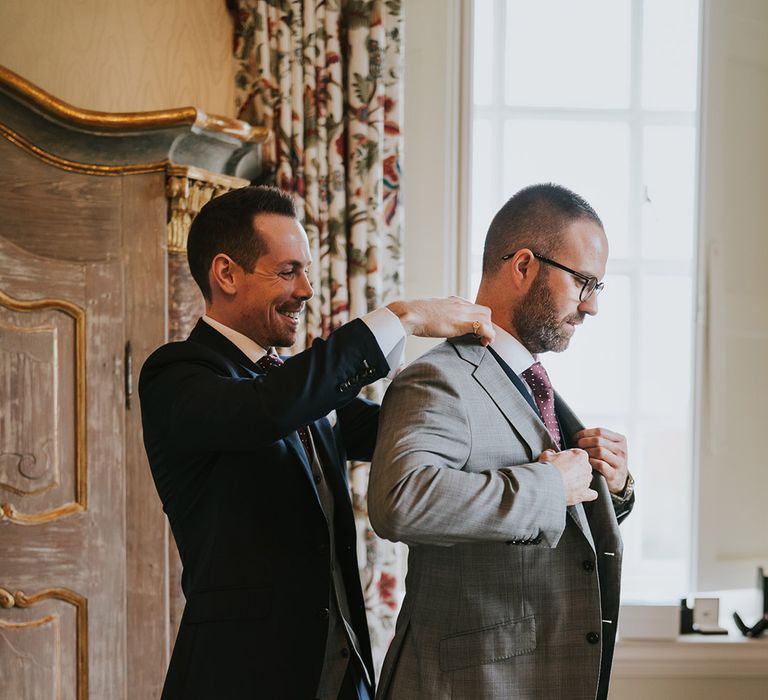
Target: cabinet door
[62,447]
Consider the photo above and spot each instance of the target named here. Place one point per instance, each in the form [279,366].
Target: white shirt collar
[512,351]
[250,348]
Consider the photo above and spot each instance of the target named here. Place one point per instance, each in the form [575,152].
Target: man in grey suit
[509,505]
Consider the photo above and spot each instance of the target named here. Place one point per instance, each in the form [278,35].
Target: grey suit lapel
[503,393]
[519,412]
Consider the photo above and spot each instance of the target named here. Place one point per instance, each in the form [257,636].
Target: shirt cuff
[389,334]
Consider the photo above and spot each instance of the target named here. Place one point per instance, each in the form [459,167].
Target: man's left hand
[607,454]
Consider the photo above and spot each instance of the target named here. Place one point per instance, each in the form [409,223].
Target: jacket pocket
[224,604]
[484,646]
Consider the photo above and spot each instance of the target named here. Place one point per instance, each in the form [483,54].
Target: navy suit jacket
[238,491]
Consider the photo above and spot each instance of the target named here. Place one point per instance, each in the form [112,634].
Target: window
[604,101]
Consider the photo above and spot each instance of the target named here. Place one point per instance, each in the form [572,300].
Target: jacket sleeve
[419,492]
[191,402]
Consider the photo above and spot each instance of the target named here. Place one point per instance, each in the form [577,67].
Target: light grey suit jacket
[509,594]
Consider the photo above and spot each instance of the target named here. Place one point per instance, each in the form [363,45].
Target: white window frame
[635,267]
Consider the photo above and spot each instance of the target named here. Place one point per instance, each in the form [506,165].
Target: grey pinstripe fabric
[503,585]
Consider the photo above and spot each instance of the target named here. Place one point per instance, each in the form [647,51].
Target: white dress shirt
[513,352]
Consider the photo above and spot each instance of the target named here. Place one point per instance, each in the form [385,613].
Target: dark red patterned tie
[544,396]
[267,363]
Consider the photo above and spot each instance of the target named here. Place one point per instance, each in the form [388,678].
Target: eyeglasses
[591,284]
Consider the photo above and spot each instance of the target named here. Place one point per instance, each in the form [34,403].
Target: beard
[537,323]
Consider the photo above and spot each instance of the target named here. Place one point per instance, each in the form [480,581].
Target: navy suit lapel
[206,335]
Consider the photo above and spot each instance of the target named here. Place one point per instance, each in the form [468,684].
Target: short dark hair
[533,218]
[225,225]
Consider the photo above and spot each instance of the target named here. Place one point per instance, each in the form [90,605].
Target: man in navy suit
[248,454]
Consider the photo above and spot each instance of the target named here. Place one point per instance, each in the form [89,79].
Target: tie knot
[538,379]
[268,362]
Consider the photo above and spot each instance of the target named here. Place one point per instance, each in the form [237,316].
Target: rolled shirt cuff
[390,335]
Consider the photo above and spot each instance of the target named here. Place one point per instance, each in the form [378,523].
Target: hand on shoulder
[444,317]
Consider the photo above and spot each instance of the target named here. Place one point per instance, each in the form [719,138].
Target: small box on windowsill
[706,616]
[649,621]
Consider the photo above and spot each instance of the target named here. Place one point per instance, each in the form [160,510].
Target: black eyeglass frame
[591,284]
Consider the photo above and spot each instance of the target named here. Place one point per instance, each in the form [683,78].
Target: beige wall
[123,55]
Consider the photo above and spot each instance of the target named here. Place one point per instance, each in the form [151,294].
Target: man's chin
[285,341]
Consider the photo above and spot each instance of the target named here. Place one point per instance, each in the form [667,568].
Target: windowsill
[700,656]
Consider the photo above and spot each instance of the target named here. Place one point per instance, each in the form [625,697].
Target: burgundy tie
[267,363]
[538,379]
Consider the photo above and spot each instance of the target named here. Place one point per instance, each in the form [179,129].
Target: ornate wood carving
[188,190]
[106,143]
[19,599]
[30,466]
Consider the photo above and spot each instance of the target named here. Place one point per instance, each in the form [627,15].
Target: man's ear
[223,274]
[523,266]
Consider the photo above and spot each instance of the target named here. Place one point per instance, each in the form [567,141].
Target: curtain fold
[325,77]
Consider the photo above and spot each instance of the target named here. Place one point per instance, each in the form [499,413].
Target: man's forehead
[284,239]
[586,239]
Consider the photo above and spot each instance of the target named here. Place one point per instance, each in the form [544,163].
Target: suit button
[345,653]
[325,614]
[317,477]
[588,565]
[593,637]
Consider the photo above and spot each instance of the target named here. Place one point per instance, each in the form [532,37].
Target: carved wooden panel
[44,645]
[42,441]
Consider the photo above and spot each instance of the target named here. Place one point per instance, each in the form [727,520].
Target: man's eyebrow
[294,263]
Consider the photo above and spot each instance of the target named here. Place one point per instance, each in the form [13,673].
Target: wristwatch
[627,491]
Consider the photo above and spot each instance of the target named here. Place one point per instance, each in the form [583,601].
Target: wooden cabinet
[94,211]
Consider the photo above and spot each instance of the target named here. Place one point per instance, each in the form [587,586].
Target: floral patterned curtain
[325,77]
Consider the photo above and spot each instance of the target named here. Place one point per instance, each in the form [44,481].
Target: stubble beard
[537,323]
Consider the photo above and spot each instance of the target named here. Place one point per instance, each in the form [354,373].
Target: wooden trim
[188,189]
[703,657]
[127,121]
[7,510]
[19,599]
[74,166]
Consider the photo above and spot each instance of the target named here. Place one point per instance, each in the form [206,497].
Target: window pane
[590,158]
[666,349]
[483,64]
[670,54]
[668,183]
[662,465]
[593,374]
[561,53]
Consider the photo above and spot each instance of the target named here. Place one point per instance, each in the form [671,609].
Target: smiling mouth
[293,315]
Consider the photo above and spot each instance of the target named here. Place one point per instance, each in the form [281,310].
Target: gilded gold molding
[19,599]
[128,121]
[80,503]
[74,166]
[188,189]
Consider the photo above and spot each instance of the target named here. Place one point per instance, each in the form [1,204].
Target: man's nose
[304,290]
[589,306]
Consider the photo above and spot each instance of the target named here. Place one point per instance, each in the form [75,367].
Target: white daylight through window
[604,101]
